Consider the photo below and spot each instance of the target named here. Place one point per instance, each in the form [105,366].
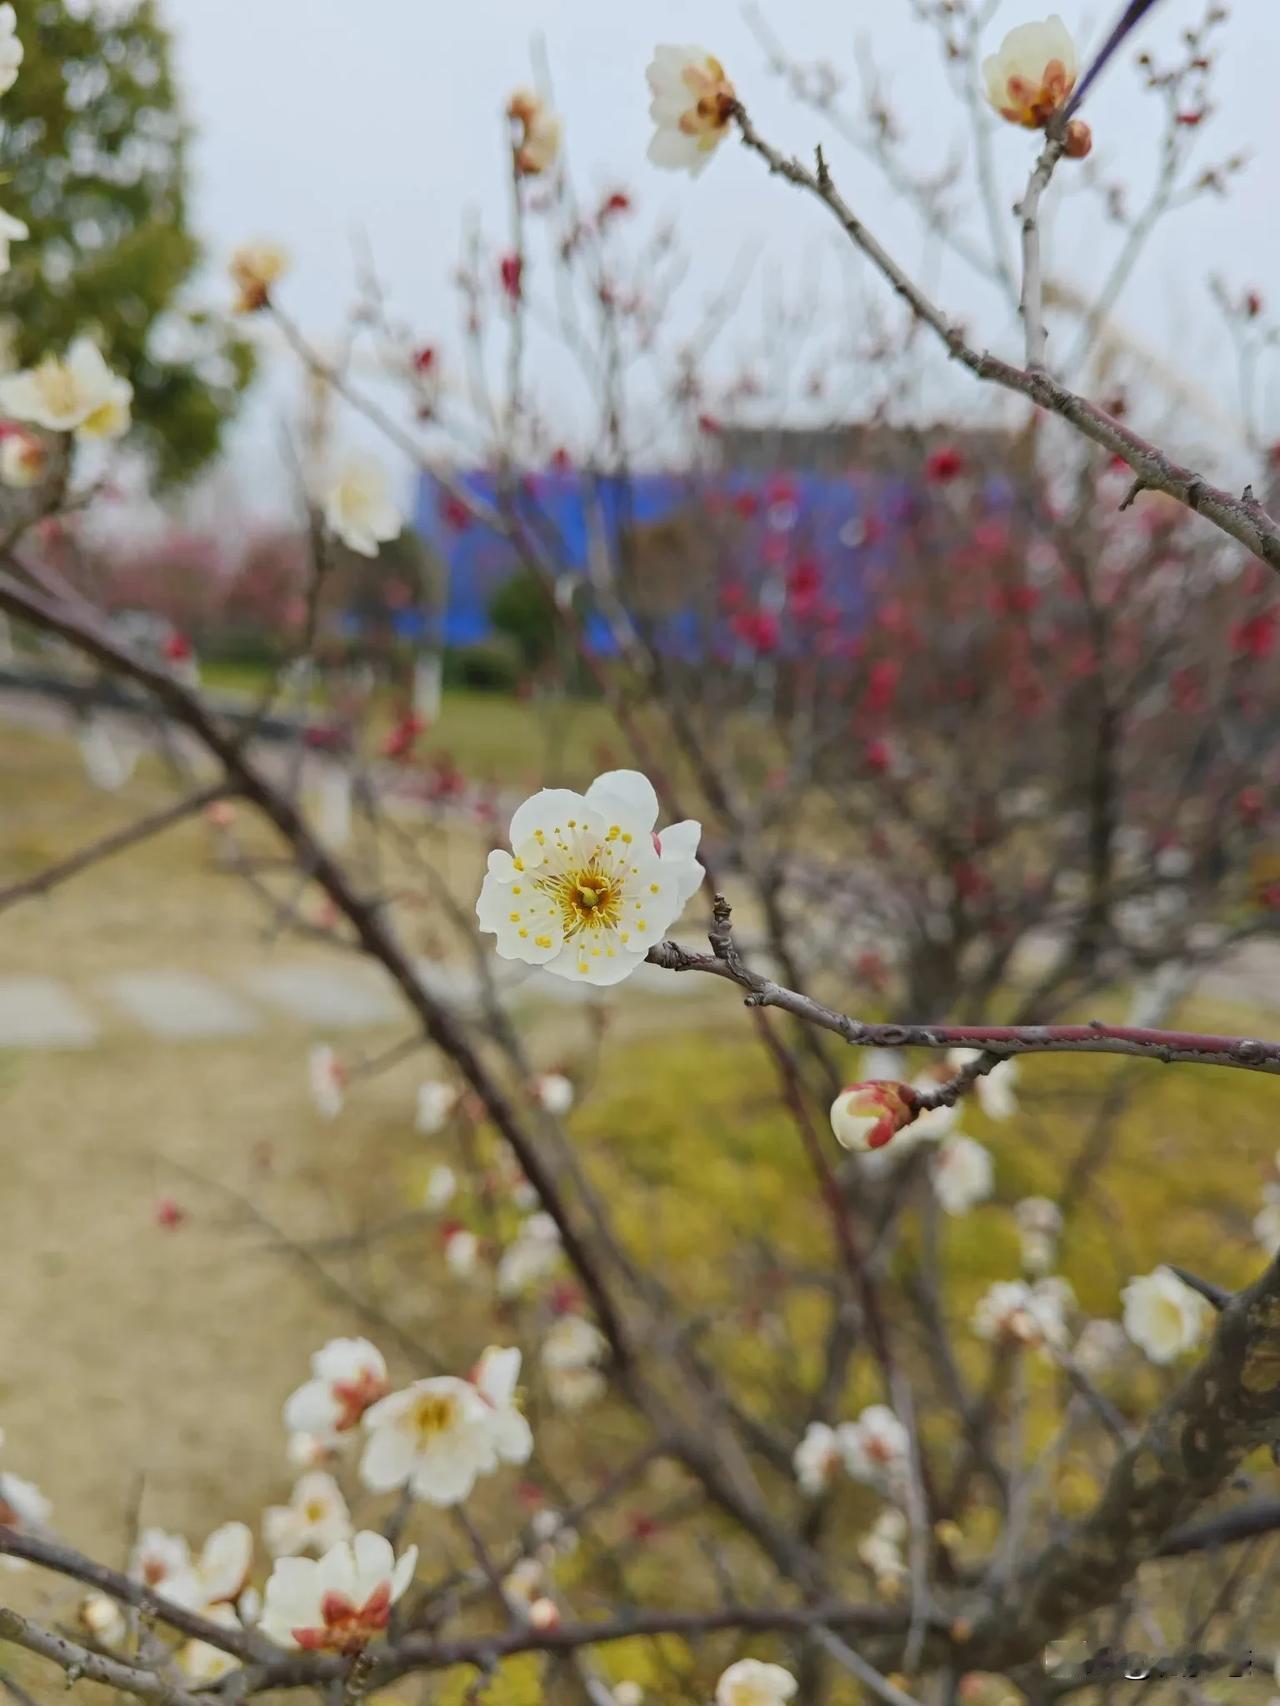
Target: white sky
[318,118]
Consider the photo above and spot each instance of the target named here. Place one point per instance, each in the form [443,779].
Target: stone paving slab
[36,1012]
[181,1005]
[324,995]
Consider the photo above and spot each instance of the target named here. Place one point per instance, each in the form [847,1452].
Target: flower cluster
[874,1449]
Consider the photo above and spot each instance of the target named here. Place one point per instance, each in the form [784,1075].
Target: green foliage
[521,610]
[93,158]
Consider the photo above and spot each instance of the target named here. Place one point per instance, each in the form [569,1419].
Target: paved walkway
[186,1006]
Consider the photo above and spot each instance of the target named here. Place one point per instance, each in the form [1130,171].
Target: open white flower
[963,1174]
[588,887]
[880,1549]
[495,1378]
[23,459]
[436,1102]
[254,268]
[875,1447]
[994,1089]
[218,1575]
[538,144]
[11,231]
[22,1507]
[200,1661]
[10,47]
[554,1092]
[1013,1312]
[315,1518]
[571,1355]
[750,1682]
[820,1453]
[1162,1315]
[1032,72]
[692,107]
[534,1254]
[436,1437]
[76,393]
[462,1252]
[348,1375]
[158,1557]
[104,1620]
[340,1602]
[327,1079]
[442,1187]
[359,509]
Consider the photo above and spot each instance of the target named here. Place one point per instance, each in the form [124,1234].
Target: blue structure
[840,526]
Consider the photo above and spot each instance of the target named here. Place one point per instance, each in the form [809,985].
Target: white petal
[387,1461]
[546,808]
[625,797]
[312,1409]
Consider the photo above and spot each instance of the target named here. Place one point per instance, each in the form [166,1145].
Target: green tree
[93,157]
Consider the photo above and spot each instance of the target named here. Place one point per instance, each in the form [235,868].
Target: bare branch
[80,1664]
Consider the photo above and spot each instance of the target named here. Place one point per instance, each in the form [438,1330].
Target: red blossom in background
[169,1213]
[943,465]
[1255,637]
[758,629]
[511,277]
[454,513]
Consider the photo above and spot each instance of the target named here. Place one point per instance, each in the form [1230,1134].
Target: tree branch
[80,1664]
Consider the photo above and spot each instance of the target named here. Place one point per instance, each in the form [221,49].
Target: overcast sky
[317,119]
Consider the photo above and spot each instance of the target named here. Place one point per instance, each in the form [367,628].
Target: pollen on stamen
[513,917]
[524,933]
[542,941]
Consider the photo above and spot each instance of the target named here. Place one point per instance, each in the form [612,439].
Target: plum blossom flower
[1162,1315]
[200,1661]
[692,106]
[963,1174]
[866,1116]
[1100,1347]
[358,507]
[309,1451]
[875,1447]
[588,887]
[158,1557]
[103,1619]
[819,1454]
[993,1089]
[76,393]
[315,1518]
[1266,1223]
[11,231]
[442,1187]
[436,1437]
[339,1602]
[1039,1223]
[23,460]
[534,1254]
[23,1507]
[1015,1313]
[254,268]
[495,1378]
[436,1102]
[538,143]
[11,49]
[880,1549]
[216,1577]
[348,1376]
[554,1092]
[571,1355]
[461,1252]
[1031,73]
[327,1078]
[750,1682]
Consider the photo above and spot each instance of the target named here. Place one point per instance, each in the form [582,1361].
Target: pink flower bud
[866,1116]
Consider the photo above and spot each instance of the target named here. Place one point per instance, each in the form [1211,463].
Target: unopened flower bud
[544,1614]
[866,1116]
[1079,139]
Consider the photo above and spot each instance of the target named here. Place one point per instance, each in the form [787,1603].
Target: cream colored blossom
[315,1518]
[692,107]
[1163,1316]
[327,1078]
[23,459]
[436,1437]
[254,268]
[24,1508]
[876,1447]
[1013,1312]
[535,1253]
[76,393]
[358,507]
[200,1661]
[538,144]
[10,48]
[571,1358]
[993,1089]
[11,231]
[340,1602]
[750,1682]
[1032,72]
[347,1377]
[962,1172]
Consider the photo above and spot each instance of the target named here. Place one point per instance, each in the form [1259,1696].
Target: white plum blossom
[11,231]
[359,509]
[868,1116]
[554,1092]
[23,459]
[880,1549]
[1039,1223]
[348,1375]
[217,1576]
[1162,1315]
[108,761]
[570,1358]
[993,1089]
[159,1557]
[315,1518]
[1101,1345]
[461,1252]
[627,1693]
[523,1584]
[692,106]
[1013,1312]
[11,49]
[254,268]
[875,1447]
[588,887]
[23,1507]
[1032,72]
[1266,1223]
[538,143]
[751,1682]
[340,1602]
[436,1437]
[441,1188]
[327,1078]
[200,1661]
[963,1174]
[104,1620]
[819,1454]
[496,1377]
[77,393]
[436,1102]
[534,1254]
